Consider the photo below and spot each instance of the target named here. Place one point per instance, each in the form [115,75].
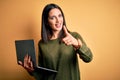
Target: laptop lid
[24,47]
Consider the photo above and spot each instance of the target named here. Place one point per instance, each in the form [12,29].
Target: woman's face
[55,19]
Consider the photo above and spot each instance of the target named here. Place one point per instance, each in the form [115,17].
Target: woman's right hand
[28,65]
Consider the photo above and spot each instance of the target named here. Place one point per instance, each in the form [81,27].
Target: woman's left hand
[27,64]
[70,40]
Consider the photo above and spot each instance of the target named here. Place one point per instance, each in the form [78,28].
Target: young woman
[58,48]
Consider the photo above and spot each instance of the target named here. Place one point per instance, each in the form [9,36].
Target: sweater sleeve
[84,51]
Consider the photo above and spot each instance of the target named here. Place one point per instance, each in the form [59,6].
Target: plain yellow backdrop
[98,21]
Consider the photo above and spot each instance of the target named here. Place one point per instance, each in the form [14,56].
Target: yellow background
[98,21]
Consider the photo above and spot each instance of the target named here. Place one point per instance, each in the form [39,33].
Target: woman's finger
[65,39]
[29,59]
[31,64]
[25,61]
[20,63]
[65,30]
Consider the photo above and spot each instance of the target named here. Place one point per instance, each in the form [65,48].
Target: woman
[58,48]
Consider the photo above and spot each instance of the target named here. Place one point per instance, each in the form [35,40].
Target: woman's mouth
[58,25]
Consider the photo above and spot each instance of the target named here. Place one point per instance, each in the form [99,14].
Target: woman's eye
[60,15]
[52,17]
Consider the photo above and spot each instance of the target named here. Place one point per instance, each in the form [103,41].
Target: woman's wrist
[78,44]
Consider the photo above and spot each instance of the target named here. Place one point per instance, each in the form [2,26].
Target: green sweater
[58,56]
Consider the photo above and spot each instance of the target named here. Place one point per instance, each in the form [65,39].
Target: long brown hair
[46,31]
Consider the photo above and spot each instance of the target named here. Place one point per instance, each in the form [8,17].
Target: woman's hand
[28,65]
[70,40]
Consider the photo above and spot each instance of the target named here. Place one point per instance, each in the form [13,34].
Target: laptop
[24,47]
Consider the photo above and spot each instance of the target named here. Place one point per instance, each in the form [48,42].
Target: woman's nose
[57,20]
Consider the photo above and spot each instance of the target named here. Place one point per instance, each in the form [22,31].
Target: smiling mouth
[58,25]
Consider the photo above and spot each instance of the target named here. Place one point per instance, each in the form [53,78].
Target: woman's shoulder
[75,34]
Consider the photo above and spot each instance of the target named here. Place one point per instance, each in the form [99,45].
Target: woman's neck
[55,35]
